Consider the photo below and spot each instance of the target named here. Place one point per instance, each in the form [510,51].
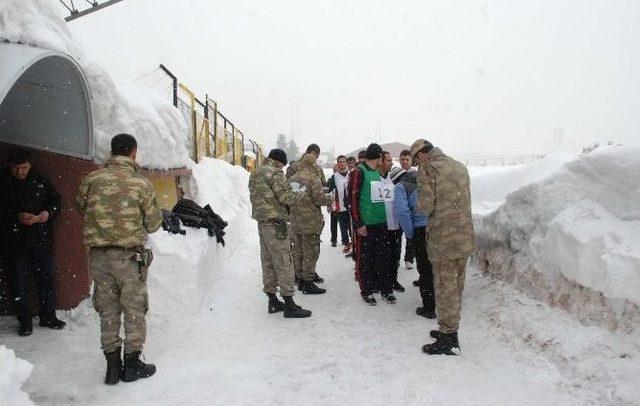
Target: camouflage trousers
[449,278]
[119,289]
[275,255]
[306,248]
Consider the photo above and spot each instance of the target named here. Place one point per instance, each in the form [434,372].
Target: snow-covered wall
[117,107]
[13,373]
[185,266]
[573,238]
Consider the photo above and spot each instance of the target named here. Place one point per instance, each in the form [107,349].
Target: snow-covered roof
[44,101]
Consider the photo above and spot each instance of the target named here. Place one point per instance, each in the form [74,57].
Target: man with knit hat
[450,238]
[271,196]
[370,223]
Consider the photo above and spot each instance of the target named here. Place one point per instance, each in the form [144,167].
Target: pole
[95,7]
[175,84]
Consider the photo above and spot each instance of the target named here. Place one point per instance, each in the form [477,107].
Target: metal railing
[212,134]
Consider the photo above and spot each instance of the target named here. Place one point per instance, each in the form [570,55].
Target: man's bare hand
[43,217]
[27,219]
[362,231]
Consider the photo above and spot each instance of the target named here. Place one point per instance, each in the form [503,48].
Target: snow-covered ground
[214,343]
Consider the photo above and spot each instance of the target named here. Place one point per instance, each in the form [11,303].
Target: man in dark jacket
[30,204]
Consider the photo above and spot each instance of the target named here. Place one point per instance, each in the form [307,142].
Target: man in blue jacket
[414,227]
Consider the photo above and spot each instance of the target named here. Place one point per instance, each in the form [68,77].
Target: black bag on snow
[171,222]
[191,214]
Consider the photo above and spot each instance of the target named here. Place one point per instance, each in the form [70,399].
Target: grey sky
[472,76]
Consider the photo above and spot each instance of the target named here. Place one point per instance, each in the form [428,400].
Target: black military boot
[310,288]
[317,279]
[446,343]
[275,305]
[292,310]
[114,366]
[426,312]
[135,369]
[50,320]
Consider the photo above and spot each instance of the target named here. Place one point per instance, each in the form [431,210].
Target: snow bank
[160,130]
[573,239]
[13,373]
[491,185]
[184,269]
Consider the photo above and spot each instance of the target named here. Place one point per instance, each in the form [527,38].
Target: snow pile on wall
[160,130]
[13,373]
[185,266]
[491,185]
[573,239]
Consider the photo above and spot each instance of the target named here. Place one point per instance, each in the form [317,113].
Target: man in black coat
[29,206]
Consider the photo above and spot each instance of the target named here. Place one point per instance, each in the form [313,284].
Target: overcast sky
[487,77]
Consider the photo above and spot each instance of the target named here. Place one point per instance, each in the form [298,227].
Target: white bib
[382,191]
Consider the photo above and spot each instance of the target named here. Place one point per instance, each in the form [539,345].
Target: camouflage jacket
[444,196]
[306,217]
[270,193]
[119,205]
[294,167]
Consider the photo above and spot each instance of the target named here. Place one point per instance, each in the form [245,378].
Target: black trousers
[36,261]
[395,251]
[375,273]
[425,270]
[342,218]
[409,254]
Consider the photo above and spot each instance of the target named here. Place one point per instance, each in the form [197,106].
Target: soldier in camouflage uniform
[444,195]
[294,167]
[307,222]
[271,196]
[120,209]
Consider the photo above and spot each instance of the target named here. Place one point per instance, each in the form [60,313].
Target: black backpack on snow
[191,214]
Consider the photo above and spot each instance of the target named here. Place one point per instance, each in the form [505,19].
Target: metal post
[175,84]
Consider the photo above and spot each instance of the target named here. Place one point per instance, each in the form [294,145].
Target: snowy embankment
[117,107]
[13,372]
[184,268]
[570,238]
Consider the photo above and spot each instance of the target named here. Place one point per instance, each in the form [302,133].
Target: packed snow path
[515,351]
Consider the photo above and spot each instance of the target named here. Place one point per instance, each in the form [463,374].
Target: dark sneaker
[310,288]
[369,299]
[445,344]
[317,279]
[334,244]
[346,249]
[388,297]
[408,265]
[25,329]
[349,255]
[52,322]
[416,283]
[398,287]
[428,313]
[135,369]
